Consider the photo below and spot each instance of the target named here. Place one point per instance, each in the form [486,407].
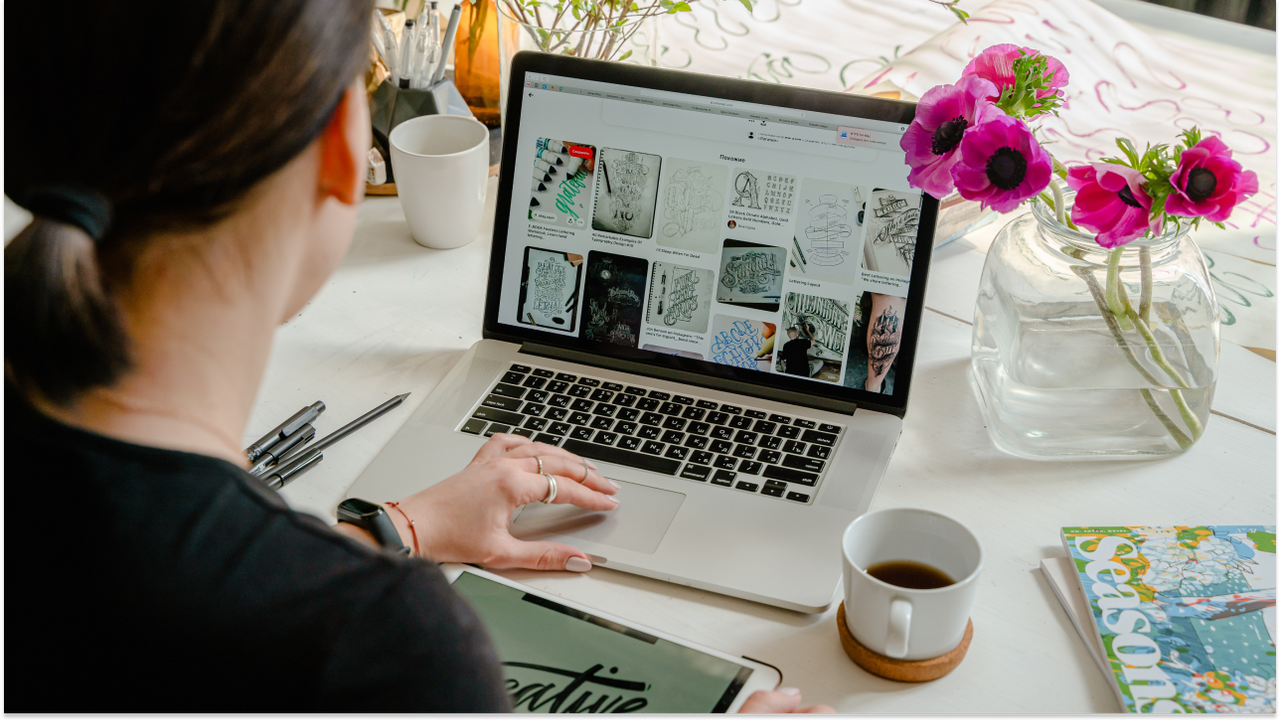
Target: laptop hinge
[690,378]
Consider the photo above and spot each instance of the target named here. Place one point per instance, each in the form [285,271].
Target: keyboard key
[589,382]
[514,378]
[566,377]
[496,415]
[683,399]
[790,475]
[624,400]
[804,423]
[750,468]
[602,395]
[496,428]
[744,451]
[523,432]
[718,418]
[701,457]
[764,427]
[802,463]
[693,413]
[582,404]
[748,486]
[628,414]
[746,437]
[828,428]
[536,423]
[721,447]
[534,409]
[560,401]
[795,446]
[605,409]
[648,404]
[771,457]
[652,447]
[722,433]
[697,442]
[606,454]
[773,490]
[698,428]
[706,405]
[731,409]
[612,386]
[508,390]
[602,423]
[649,432]
[535,382]
[695,472]
[651,418]
[606,438]
[547,439]
[670,408]
[676,452]
[556,413]
[756,414]
[726,462]
[673,436]
[674,423]
[798,497]
[557,386]
[820,452]
[542,372]
[579,418]
[582,433]
[723,477]
[656,395]
[789,431]
[741,422]
[559,428]
[520,368]
[770,442]
[629,443]
[633,390]
[821,438]
[538,396]
[502,403]
[625,428]
[579,391]
[780,419]
[473,426]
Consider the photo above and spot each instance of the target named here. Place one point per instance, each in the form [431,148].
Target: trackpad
[641,519]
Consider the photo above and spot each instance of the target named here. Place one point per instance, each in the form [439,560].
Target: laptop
[710,287]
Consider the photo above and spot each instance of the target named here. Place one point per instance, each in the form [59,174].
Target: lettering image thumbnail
[626,192]
[889,244]
[692,203]
[742,343]
[751,275]
[874,342]
[816,330]
[613,298]
[561,189]
[679,297]
[825,238]
[549,283]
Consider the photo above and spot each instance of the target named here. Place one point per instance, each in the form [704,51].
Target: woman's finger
[498,445]
[540,556]
[567,465]
[535,488]
[771,702]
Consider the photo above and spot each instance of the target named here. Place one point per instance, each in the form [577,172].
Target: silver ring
[551,489]
[535,457]
[586,470]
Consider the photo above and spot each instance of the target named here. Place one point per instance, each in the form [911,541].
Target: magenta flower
[943,116]
[996,65]
[1208,182]
[1001,164]
[1112,201]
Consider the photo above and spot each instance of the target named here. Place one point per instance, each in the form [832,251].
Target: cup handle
[895,645]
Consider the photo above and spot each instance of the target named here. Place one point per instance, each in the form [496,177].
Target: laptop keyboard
[693,438]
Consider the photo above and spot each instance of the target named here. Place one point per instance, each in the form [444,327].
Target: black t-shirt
[795,354]
[141,579]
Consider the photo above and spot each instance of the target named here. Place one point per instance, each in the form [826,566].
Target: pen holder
[390,105]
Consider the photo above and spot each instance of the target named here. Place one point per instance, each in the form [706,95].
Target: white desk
[396,316]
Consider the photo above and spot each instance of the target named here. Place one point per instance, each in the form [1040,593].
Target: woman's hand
[464,518]
[775,702]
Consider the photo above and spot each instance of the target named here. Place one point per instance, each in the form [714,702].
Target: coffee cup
[441,167]
[909,546]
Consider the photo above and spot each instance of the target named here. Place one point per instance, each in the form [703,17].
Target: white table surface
[396,316]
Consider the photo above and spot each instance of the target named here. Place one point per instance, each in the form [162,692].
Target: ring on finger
[551,489]
[586,470]
[540,471]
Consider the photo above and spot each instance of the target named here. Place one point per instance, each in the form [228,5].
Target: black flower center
[1006,168]
[1126,195]
[1200,183]
[948,135]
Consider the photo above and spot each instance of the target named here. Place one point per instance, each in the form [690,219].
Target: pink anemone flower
[996,64]
[1208,182]
[1112,201]
[943,116]
[1001,164]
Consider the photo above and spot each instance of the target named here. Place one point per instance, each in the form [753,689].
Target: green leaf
[683,7]
[625,55]
[746,4]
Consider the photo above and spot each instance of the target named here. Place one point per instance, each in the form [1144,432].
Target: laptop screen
[772,244]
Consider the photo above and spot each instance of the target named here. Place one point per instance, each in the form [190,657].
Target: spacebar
[595,451]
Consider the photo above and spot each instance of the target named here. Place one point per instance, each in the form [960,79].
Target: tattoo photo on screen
[751,275]
[824,235]
[679,297]
[874,342]
[561,190]
[614,298]
[742,343]
[626,192]
[892,221]
[692,204]
[549,283]
[816,333]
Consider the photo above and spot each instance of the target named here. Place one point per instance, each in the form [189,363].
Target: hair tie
[78,206]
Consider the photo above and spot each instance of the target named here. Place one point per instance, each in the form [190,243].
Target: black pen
[287,472]
[304,435]
[284,430]
[291,462]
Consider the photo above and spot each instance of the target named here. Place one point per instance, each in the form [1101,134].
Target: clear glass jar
[1080,351]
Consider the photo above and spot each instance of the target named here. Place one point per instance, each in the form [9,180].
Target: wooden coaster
[901,670]
[383,189]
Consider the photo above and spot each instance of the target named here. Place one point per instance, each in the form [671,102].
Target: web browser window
[754,236]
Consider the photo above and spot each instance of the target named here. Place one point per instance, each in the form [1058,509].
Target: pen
[347,429]
[284,430]
[389,42]
[287,473]
[605,168]
[447,44]
[304,435]
[406,55]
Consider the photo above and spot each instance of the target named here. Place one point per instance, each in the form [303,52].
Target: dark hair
[172,113]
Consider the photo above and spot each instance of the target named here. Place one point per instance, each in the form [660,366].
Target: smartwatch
[374,520]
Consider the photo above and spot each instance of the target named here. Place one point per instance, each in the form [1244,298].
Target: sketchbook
[549,289]
[679,297]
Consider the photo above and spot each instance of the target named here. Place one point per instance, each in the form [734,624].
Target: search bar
[718,102]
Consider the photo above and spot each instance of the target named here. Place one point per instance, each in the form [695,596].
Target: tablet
[562,657]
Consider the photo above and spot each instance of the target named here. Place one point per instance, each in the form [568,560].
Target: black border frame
[748,382]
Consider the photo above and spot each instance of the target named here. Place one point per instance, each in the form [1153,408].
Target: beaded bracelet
[412,530]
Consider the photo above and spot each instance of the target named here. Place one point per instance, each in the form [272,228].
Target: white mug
[441,168]
[900,622]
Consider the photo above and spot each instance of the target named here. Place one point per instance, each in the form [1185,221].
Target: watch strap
[378,524]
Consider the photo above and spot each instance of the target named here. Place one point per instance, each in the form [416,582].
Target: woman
[193,186]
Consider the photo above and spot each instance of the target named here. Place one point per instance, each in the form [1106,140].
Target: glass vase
[1083,352]
[476,63]
[539,29]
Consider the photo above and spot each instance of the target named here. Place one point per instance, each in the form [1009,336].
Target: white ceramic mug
[900,622]
[441,168]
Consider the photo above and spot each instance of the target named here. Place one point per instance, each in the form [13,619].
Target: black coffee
[910,575]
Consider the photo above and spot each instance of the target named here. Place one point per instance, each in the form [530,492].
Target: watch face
[359,508]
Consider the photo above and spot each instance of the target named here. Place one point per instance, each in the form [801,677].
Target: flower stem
[1189,417]
[1113,290]
[1059,204]
[1144,301]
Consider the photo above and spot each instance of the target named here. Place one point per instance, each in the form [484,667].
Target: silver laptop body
[735,479]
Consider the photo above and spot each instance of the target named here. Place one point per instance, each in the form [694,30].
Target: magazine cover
[1186,614]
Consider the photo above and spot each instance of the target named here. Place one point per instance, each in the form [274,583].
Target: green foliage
[1031,75]
[1157,163]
